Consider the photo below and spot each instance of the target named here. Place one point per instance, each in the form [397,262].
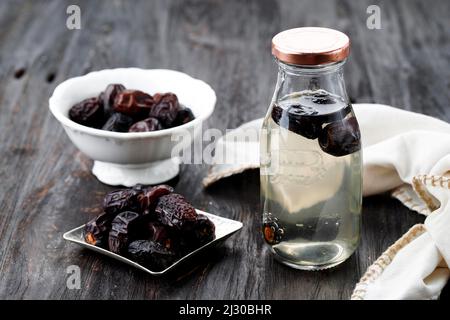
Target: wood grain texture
[46,186]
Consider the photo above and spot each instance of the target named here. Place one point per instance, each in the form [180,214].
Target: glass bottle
[311,160]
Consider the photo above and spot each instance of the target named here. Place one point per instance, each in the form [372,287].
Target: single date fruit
[149,124]
[184,115]
[323,98]
[108,96]
[133,103]
[151,254]
[298,119]
[308,128]
[121,200]
[88,112]
[165,108]
[123,228]
[149,198]
[96,231]
[174,211]
[118,122]
[199,232]
[272,230]
[341,138]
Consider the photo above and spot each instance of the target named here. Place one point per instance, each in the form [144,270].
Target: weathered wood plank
[46,187]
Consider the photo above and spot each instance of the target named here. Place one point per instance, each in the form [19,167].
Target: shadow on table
[191,267]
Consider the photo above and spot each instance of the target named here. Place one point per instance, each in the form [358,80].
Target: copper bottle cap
[310,46]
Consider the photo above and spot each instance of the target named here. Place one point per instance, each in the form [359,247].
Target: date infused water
[311,181]
[310,153]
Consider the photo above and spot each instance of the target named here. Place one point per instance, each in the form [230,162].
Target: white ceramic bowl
[132,157]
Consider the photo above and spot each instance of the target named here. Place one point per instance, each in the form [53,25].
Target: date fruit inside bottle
[311,179]
[320,115]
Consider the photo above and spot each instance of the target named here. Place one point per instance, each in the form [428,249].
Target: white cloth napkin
[408,153]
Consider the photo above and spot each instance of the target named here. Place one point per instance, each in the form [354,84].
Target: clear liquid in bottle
[311,180]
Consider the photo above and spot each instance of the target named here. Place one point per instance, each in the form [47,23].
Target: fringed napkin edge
[403,194]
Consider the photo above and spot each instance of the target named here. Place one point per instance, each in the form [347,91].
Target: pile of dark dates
[309,115]
[152,226]
[123,110]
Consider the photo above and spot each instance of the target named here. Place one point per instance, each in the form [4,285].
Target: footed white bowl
[132,157]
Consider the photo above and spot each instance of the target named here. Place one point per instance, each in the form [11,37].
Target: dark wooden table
[46,186]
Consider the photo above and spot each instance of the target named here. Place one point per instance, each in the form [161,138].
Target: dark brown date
[199,232]
[294,120]
[108,97]
[151,254]
[159,233]
[121,200]
[151,225]
[184,115]
[323,98]
[149,124]
[88,112]
[133,103]
[174,211]
[272,230]
[96,231]
[149,198]
[118,122]
[124,110]
[341,138]
[165,108]
[123,228]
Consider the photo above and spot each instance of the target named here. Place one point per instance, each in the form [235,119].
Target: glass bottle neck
[314,69]
[294,78]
